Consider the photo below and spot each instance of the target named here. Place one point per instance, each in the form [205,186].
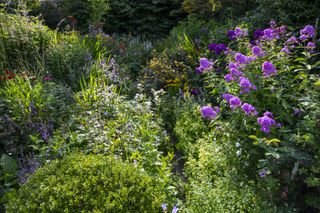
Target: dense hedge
[82,183]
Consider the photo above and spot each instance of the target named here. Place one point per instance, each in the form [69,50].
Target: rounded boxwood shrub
[91,183]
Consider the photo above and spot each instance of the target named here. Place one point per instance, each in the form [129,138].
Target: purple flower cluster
[208,112]
[285,50]
[257,51]
[232,100]
[234,74]
[311,46]
[217,48]
[246,85]
[268,68]
[236,33]
[243,59]
[258,34]
[307,32]
[249,109]
[205,65]
[269,34]
[292,40]
[266,122]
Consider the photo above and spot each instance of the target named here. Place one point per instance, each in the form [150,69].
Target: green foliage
[221,180]
[124,50]
[30,108]
[290,12]
[29,47]
[289,153]
[8,180]
[218,9]
[151,18]
[23,42]
[68,58]
[189,127]
[106,123]
[89,183]
[85,12]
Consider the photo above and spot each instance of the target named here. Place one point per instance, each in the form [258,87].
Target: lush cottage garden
[160,106]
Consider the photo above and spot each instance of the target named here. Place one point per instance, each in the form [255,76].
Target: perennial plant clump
[268,83]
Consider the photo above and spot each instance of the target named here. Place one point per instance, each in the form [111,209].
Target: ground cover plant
[219,115]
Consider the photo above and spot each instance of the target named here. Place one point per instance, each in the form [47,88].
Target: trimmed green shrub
[91,183]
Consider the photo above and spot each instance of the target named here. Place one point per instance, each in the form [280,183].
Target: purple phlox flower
[208,112]
[231,34]
[175,209]
[297,112]
[212,46]
[285,49]
[308,30]
[253,42]
[240,33]
[240,58]
[205,65]
[217,48]
[235,102]
[281,30]
[268,68]
[244,82]
[268,34]
[258,33]
[256,50]
[235,72]
[246,85]
[303,37]
[273,23]
[311,46]
[268,114]
[266,122]
[250,59]
[229,51]
[233,65]
[164,206]
[227,96]
[229,78]
[220,48]
[292,39]
[195,91]
[249,109]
